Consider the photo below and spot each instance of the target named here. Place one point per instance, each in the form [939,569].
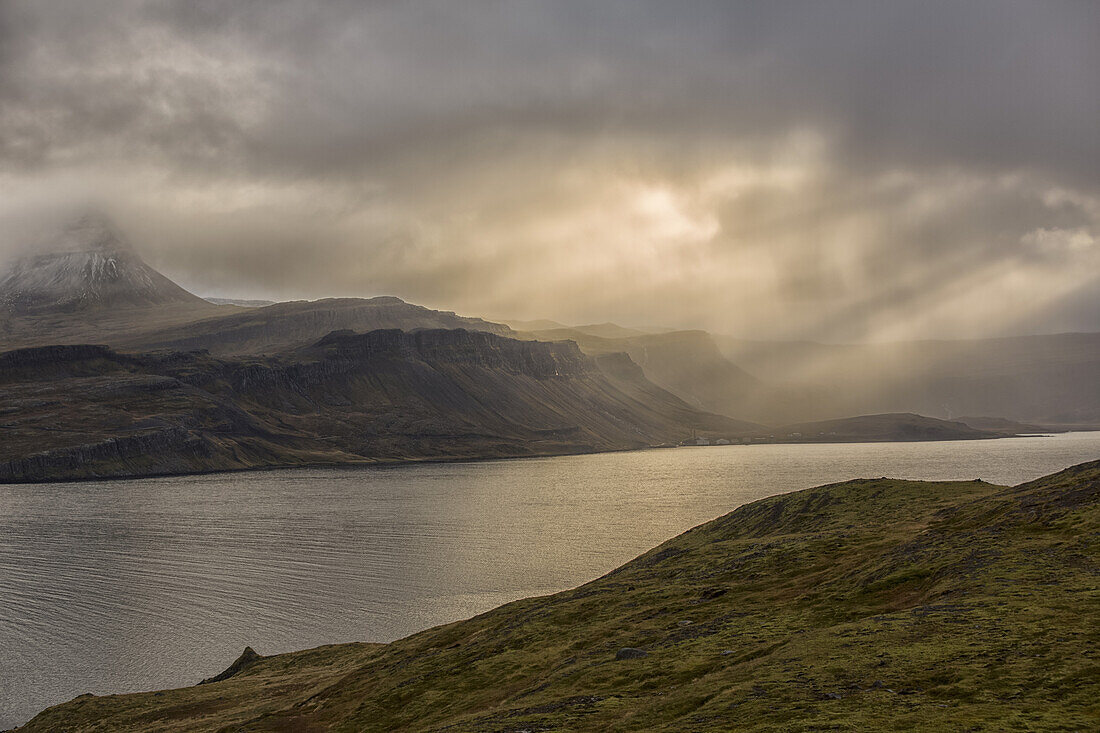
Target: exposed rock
[248,658]
[628,652]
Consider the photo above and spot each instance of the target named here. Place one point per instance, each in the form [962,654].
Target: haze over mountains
[172,395]
[687,363]
[88,265]
[176,383]
[1052,380]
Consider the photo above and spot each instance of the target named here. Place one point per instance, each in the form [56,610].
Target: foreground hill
[89,411]
[867,605]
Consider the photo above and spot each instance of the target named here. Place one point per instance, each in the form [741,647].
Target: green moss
[868,605]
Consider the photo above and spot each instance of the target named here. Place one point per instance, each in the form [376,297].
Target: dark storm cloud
[452,152]
[343,83]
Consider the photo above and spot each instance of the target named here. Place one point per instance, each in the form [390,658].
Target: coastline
[477,458]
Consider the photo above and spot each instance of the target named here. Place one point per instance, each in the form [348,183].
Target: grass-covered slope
[868,605]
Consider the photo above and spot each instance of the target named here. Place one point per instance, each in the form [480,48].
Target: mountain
[88,265]
[686,363]
[891,427]
[241,302]
[389,395]
[609,330]
[1048,380]
[1040,382]
[999,424]
[873,604]
[285,326]
[230,329]
[88,285]
[541,324]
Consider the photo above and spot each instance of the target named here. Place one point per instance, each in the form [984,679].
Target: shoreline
[900,564]
[398,462]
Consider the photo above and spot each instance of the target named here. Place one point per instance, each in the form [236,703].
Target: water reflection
[116,586]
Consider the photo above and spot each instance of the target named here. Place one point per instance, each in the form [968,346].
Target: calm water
[119,586]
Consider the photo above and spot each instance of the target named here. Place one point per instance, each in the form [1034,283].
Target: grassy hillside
[868,605]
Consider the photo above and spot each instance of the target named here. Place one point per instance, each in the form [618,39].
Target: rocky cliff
[87,411]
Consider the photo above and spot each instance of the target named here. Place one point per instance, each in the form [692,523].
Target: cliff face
[86,411]
[455,347]
[159,451]
[686,363]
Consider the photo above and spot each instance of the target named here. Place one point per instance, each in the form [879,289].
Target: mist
[835,171]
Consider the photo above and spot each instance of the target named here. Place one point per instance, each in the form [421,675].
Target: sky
[835,171]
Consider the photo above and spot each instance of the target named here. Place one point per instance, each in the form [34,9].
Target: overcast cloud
[832,170]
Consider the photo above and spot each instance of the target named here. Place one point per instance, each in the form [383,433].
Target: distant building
[721,441]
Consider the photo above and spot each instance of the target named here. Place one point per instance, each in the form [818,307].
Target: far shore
[399,462]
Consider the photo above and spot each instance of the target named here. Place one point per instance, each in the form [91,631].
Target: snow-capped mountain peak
[88,264]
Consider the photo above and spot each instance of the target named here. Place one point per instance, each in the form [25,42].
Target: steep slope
[88,265]
[85,411]
[867,605]
[686,363]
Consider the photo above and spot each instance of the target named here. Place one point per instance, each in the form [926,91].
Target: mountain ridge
[383,396]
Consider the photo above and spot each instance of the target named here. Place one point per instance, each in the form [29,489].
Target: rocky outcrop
[171,450]
[247,659]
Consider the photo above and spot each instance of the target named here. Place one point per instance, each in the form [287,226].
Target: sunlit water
[118,586]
